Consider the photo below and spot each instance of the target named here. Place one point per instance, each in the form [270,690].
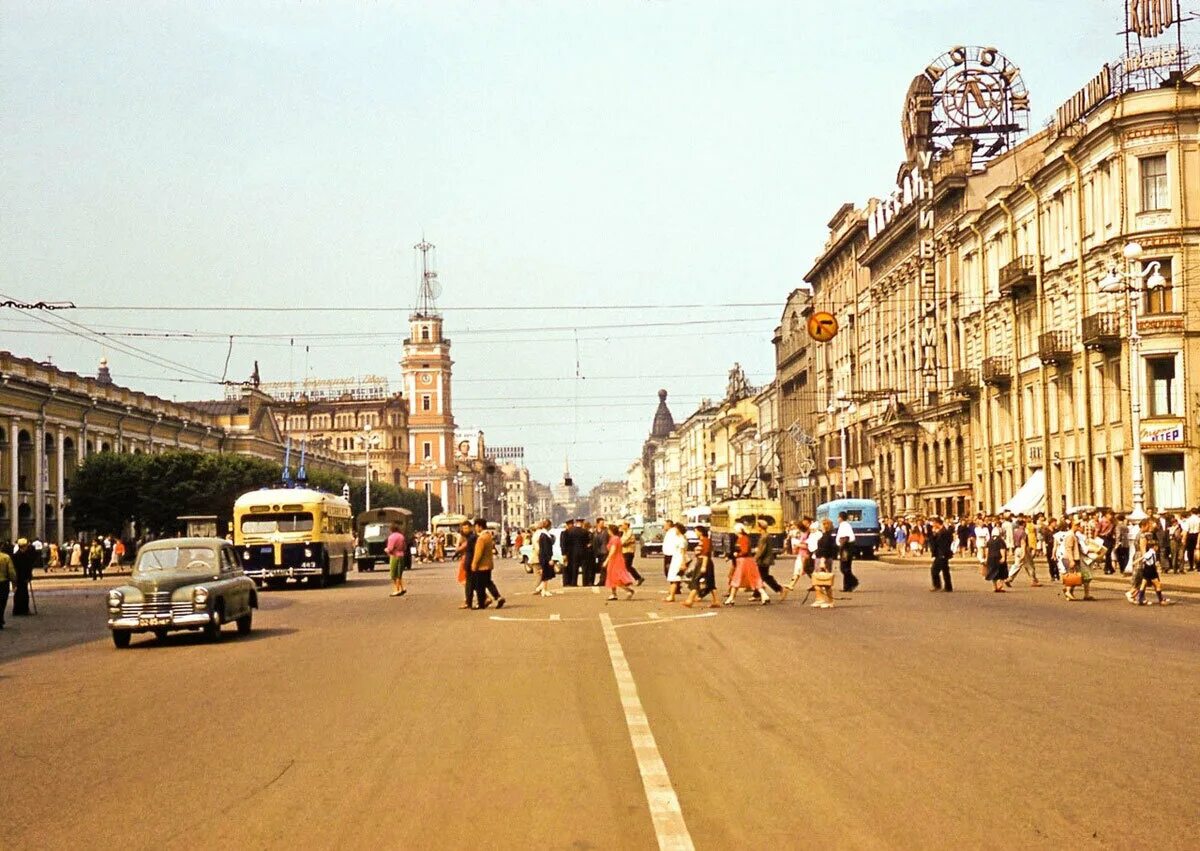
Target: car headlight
[115,598]
[308,552]
[246,556]
[200,597]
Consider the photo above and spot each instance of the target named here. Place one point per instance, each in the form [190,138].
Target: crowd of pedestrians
[1073,548]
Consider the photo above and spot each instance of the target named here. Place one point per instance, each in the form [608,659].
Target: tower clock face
[426,378]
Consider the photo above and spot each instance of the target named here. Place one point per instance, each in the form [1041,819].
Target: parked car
[652,538]
[182,583]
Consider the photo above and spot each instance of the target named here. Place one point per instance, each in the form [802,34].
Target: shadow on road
[147,641]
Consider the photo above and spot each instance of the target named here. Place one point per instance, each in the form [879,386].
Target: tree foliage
[109,490]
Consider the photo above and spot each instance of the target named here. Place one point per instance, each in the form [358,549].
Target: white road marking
[551,619]
[654,616]
[556,617]
[667,620]
[669,826]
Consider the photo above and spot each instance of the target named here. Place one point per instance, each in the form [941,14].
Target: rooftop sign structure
[966,92]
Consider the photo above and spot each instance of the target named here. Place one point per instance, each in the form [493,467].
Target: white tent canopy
[1031,498]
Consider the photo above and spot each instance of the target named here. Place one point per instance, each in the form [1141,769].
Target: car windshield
[265,524]
[375,530]
[177,558]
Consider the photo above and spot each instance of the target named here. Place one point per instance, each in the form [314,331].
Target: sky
[622,192]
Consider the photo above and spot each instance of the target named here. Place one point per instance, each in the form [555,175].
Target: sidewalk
[69,578]
[1173,583]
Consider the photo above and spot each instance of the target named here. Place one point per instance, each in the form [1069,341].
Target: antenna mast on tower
[430,287]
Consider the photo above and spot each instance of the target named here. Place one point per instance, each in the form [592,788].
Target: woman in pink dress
[616,575]
[745,571]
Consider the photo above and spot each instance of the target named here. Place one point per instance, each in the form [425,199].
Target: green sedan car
[182,583]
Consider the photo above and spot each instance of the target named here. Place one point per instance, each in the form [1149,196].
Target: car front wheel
[212,629]
[121,638]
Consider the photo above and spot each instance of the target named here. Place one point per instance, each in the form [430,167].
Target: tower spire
[430,288]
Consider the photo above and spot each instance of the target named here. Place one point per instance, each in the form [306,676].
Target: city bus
[373,528]
[447,525]
[725,516]
[863,516]
[293,534]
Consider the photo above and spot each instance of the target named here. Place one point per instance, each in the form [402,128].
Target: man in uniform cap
[24,559]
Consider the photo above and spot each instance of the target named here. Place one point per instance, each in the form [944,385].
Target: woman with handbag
[824,550]
[1076,571]
[745,571]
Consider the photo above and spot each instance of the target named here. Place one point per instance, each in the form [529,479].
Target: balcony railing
[1102,330]
[1018,275]
[997,370]
[1054,347]
[965,381]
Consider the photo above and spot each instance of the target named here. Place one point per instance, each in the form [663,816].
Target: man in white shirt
[845,541]
[1191,532]
[671,543]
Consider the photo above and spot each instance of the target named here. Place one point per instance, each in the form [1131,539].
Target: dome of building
[664,423]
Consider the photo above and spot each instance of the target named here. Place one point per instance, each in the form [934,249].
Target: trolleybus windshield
[265,524]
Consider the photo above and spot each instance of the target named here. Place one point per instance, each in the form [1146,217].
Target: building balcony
[965,381]
[1018,276]
[1054,347]
[1102,330]
[997,371]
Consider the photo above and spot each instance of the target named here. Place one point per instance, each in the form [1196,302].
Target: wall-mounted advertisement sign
[1156,435]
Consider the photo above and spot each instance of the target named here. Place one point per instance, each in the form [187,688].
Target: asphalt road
[349,719]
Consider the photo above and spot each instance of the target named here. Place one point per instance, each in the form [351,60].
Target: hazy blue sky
[627,154]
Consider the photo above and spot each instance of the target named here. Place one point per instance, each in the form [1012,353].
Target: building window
[1113,399]
[1161,377]
[1154,183]
[1159,300]
[427,450]
[1166,481]
[425,333]
[1099,394]
[426,402]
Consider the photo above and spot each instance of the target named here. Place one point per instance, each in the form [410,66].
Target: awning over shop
[1031,498]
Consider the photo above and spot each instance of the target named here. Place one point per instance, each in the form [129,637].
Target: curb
[1108,581]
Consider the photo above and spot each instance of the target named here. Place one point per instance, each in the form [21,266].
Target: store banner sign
[1156,435]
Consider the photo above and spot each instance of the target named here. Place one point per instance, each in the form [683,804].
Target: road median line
[669,826]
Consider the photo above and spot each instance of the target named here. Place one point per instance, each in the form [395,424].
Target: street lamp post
[1133,283]
[842,406]
[428,468]
[368,438]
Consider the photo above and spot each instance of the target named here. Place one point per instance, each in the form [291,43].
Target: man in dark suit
[569,544]
[940,547]
[599,544]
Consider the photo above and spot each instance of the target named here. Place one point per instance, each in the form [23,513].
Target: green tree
[109,489]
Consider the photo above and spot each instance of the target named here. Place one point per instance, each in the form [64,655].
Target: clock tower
[426,368]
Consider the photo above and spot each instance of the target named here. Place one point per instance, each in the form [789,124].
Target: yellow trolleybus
[726,515]
[293,534]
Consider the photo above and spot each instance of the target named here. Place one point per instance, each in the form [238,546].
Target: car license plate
[279,573]
[154,620]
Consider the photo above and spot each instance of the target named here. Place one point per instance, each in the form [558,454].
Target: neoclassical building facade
[51,420]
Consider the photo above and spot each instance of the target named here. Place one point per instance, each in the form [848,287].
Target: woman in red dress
[745,571]
[616,575]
